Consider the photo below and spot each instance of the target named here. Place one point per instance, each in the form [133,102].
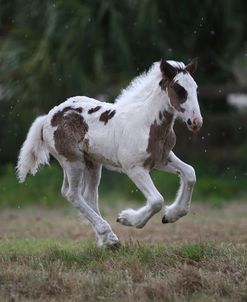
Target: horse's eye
[180,91]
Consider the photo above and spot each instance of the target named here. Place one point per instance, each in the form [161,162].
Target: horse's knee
[72,197]
[190,175]
[157,204]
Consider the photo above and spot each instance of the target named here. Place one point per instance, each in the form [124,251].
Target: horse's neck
[157,102]
[144,97]
[152,107]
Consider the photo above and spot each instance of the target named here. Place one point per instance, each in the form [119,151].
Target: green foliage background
[50,50]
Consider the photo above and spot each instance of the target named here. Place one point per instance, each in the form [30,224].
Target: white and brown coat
[132,136]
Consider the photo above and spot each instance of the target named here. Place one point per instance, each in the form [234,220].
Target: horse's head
[181,89]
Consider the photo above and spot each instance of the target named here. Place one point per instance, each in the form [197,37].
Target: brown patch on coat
[177,93]
[57,117]
[41,135]
[160,116]
[106,116]
[88,161]
[86,144]
[95,109]
[79,109]
[164,83]
[161,140]
[71,129]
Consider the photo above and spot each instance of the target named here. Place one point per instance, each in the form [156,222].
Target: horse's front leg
[181,205]
[138,218]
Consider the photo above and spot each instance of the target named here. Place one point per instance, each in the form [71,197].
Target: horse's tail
[34,151]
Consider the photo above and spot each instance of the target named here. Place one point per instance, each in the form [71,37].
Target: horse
[133,135]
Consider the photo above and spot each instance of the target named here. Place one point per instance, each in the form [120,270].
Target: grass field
[50,255]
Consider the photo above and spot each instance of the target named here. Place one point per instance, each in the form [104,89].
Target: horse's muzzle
[195,124]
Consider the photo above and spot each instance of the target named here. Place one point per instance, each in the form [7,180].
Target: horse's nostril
[189,122]
[196,122]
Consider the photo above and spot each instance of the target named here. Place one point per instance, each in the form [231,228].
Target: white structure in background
[237,100]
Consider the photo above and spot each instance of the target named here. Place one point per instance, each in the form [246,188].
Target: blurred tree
[54,49]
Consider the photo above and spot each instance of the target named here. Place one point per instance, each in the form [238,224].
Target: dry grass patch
[227,224]
[48,255]
[134,272]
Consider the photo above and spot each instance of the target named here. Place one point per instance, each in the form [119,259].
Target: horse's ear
[167,69]
[192,66]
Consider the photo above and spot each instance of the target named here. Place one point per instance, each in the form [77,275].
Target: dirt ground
[227,224]
[201,257]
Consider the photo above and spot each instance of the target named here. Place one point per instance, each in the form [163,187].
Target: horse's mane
[141,86]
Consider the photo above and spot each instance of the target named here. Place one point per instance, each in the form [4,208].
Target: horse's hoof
[123,221]
[165,220]
[114,246]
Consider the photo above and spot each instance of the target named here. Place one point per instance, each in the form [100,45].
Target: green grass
[74,271]
[194,252]
[44,188]
[23,247]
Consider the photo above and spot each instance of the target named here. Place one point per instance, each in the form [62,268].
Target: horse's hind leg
[65,185]
[74,172]
[91,180]
[90,186]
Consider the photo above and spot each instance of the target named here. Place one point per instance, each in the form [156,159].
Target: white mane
[141,86]
[176,64]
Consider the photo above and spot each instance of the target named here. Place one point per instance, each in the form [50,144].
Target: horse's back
[77,102]
[68,126]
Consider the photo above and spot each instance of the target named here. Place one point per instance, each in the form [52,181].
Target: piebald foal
[131,136]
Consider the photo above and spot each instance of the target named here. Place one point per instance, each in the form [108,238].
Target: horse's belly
[101,146]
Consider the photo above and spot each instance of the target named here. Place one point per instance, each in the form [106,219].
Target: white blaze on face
[191,113]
